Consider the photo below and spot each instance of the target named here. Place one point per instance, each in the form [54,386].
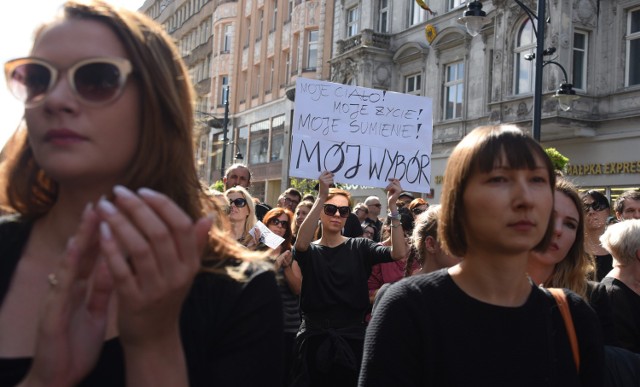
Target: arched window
[524,69]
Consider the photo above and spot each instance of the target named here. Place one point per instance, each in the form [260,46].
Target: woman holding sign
[334,297]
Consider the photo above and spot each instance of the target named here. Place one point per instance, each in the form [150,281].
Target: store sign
[364,136]
[614,168]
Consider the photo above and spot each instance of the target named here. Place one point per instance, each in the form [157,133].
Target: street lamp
[538,21]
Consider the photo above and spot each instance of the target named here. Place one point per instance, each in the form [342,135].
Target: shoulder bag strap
[563,306]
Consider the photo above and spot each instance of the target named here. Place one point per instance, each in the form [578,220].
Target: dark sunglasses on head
[283,223]
[330,210]
[95,81]
[594,206]
[417,211]
[239,202]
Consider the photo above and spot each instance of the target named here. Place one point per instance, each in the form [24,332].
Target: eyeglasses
[375,205]
[288,202]
[330,210]
[276,222]
[239,202]
[95,81]
[594,206]
[417,211]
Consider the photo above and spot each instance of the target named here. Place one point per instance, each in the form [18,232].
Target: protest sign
[364,136]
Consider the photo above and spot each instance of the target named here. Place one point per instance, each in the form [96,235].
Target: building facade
[255,49]
[486,79]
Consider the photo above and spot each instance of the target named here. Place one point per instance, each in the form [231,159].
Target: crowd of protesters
[119,268]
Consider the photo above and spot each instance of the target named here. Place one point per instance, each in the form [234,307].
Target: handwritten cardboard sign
[364,136]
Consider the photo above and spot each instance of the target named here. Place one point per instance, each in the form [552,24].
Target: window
[451,4]
[383,21]
[241,141]
[352,21]
[312,49]
[453,90]
[633,47]
[226,38]
[259,142]
[247,26]
[580,41]
[260,23]
[289,9]
[277,138]
[413,84]
[271,68]
[274,16]
[416,14]
[524,69]
[224,83]
[257,79]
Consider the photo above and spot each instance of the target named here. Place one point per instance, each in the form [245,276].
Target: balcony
[366,39]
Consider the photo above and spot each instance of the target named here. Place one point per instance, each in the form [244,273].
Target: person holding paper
[289,277]
[334,296]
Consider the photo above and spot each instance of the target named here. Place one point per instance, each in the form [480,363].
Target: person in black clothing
[334,297]
[623,282]
[111,272]
[482,322]
[596,209]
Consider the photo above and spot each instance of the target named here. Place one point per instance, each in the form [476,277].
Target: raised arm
[308,227]
[398,244]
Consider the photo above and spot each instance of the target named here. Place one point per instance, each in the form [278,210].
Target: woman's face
[71,140]
[237,214]
[594,220]
[506,211]
[565,226]
[334,223]
[301,214]
[279,229]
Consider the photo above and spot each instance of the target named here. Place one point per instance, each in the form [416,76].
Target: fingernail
[105,230]
[147,192]
[87,208]
[123,192]
[107,207]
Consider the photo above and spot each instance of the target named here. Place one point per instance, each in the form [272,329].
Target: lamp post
[225,123]
[474,18]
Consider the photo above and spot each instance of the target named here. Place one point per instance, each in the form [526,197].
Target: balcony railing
[367,38]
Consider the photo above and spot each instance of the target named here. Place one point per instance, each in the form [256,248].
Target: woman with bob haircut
[111,273]
[334,297]
[484,314]
[242,215]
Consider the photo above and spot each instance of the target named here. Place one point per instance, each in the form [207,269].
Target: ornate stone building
[257,49]
[487,79]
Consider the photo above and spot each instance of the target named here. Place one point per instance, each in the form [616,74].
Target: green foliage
[305,186]
[218,185]
[558,160]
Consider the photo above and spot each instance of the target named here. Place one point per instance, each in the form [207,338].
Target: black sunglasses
[330,210]
[95,81]
[283,223]
[239,202]
[594,206]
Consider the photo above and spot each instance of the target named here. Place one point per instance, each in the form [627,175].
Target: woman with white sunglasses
[110,272]
[334,297]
